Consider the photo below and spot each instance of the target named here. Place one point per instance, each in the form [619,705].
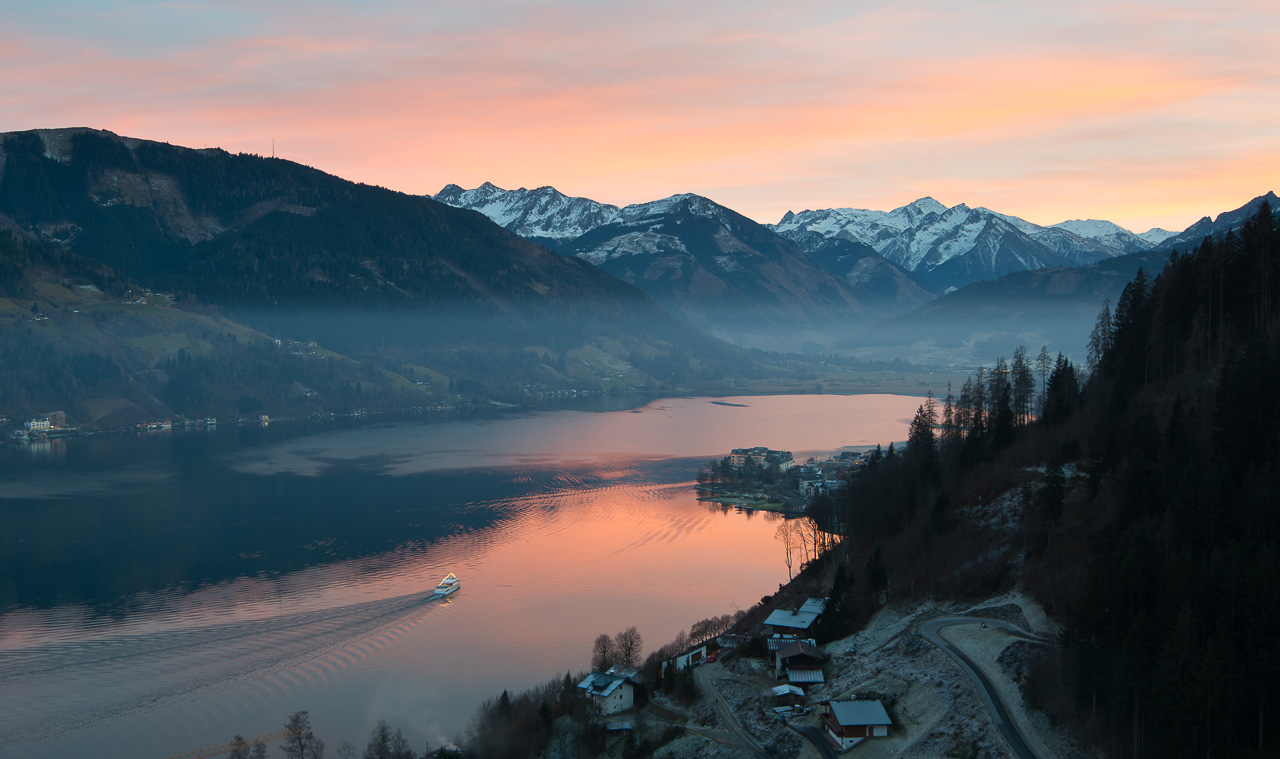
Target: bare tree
[301,743]
[379,746]
[627,646]
[602,653]
[787,534]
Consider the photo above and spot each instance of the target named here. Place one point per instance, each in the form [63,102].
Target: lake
[162,593]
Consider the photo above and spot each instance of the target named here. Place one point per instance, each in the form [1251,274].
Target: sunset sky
[1147,114]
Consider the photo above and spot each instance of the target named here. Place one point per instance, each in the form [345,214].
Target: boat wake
[54,688]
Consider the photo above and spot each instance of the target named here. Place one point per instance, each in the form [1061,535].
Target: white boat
[448,585]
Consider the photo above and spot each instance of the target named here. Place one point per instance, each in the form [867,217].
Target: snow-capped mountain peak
[1091,228]
[958,245]
[549,216]
[688,202]
[543,214]
[1156,235]
[924,206]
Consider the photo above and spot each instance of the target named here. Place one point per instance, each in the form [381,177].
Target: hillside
[398,280]
[1134,501]
[1053,307]
[720,271]
[78,338]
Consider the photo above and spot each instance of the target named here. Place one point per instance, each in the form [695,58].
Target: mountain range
[946,248]
[401,283]
[957,246]
[721,271]
[715,268]
[406,288]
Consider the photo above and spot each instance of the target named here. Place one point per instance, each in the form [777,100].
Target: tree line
[1140,493]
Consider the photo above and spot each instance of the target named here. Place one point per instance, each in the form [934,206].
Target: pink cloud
[766,109]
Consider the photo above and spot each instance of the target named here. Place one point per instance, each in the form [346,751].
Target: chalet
[849,722]
[690,658]
[801,665]
[776,643]
[610,693]
[729,640]
[787,695]
[798,655]
[789,622]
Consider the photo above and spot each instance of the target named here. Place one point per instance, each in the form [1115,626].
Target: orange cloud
[763,108]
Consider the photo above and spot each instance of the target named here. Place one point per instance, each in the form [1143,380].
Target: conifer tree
[1100,338]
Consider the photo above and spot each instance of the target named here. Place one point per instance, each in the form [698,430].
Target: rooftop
[601,684]
[808,675]
[801,648]
[851,713]
[779,642]
[626,673]
[799,620]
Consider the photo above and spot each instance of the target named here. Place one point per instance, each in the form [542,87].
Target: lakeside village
[752,683]
[769,480]
[53,424]
[786,678]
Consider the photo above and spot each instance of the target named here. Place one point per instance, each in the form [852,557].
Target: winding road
[932,629]
[817,738]
[705,676]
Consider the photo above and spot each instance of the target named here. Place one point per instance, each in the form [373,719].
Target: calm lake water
[160,594]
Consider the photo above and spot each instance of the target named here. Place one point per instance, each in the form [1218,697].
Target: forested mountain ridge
[400,281]
[1134,496]
[250,231]
[978,323]
[77,337]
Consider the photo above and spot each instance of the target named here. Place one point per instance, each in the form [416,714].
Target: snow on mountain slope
[1105,233]
[649,242]
[1156,236]
[544,214]
[951,247]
